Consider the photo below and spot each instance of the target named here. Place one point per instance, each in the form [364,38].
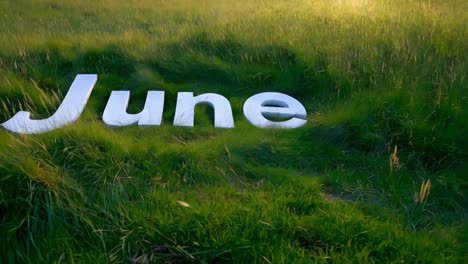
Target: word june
[258,110]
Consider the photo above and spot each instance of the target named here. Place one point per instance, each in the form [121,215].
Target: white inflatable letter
[278,105]
[116,114]
[185,109]
[68,112]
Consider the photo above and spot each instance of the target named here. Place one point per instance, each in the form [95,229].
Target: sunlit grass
[377,174]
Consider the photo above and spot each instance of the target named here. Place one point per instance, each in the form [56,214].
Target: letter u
[115,113]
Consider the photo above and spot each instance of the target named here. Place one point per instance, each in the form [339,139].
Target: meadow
[377,175]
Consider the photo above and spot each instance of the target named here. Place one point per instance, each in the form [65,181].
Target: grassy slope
[372,74]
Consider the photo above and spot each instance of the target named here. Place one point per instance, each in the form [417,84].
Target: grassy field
[373,76]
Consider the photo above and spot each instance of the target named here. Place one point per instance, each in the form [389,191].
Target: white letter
[68,112]
[278,105]
[116,114]
[185,109]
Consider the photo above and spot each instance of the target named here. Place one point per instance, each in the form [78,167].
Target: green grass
[372,74]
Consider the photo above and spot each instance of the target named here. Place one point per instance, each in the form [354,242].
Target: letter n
[185,109]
